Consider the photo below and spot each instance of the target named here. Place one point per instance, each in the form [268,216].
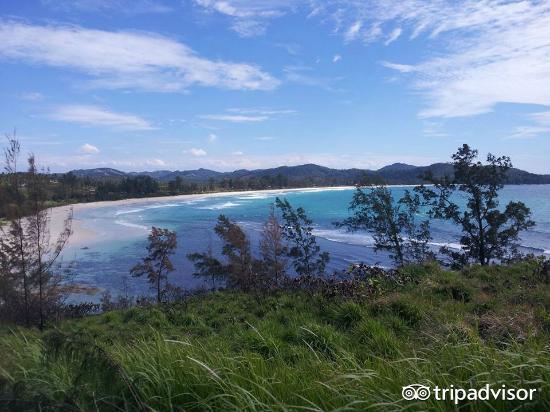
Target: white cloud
[247,115]
[196,152]
[528,132]
[393,36]
[353,31]
[237,153]
[403,68]
[212,138]
[479,53]
[98,116]
[249,18]
[88,149]
[234,118]
[542,118]
[336,58]
[540,126]
[155,162]
[32,96]
[126,60]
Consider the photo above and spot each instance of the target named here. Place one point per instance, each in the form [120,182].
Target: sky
[230,84]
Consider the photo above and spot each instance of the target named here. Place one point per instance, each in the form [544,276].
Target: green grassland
[231,351]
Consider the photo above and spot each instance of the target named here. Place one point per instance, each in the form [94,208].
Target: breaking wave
[132,225]
[220,206]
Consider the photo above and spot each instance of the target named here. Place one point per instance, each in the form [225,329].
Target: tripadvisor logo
[422,393]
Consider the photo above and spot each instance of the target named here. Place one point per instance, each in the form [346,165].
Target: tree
[14,243]
[44,252]
[273,250]
[27,252]
[488,232]
[393,223]
[207,266]
[241,266]
[157,264]
[308,260]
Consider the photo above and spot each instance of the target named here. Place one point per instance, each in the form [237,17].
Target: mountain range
[397,173]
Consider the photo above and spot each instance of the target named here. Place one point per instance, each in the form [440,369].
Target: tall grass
[229,352]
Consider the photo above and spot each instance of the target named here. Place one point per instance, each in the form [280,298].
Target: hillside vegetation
[296,350]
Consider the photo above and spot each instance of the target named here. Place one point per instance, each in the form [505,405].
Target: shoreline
[82,236]
[194,196]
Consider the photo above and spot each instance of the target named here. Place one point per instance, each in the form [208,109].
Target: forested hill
[397,173]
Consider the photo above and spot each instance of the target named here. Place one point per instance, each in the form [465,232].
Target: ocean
[122,232]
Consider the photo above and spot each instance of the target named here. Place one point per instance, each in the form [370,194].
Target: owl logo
[415,392]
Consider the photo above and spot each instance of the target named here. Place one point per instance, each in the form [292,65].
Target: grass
[291,351]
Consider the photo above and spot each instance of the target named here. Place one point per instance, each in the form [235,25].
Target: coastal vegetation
[31,287]
[296,350]
[276,331]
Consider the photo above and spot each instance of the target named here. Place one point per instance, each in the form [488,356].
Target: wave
[125,212]
[339,236]
[193,201]
[219,206]
[256,196]
[450,245]
[132,225]
[155,206]
[162,206]
[323,189]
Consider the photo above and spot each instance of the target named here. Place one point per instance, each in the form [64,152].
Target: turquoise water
[123,230]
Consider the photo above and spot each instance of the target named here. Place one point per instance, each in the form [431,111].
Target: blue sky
[152,84]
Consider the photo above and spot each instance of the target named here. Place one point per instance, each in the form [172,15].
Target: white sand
[84,235]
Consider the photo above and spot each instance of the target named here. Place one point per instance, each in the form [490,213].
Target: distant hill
[397,173]
[98,173]
[396,167]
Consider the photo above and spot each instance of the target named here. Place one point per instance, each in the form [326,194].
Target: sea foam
[132,225]
[219,206]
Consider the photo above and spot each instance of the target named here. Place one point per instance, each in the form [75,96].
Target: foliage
[240,271]
[308,260]
[488,233]
[157,264]
[233,351]
[207,266]
[241,266]
[273,250]
[30,284]
[393,224]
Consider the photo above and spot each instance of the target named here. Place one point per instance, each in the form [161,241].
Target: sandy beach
[85,235]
